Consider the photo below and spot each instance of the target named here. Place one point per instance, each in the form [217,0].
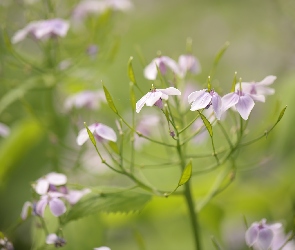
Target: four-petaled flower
[204,99]
[56,205]
[155,96]
[43,29]
[55,240]
[99,130]
[43,184]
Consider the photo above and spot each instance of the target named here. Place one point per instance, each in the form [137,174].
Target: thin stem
[225,134]
[187,126]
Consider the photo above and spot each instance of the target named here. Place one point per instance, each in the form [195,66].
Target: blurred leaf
[23,137]
[91,136]
[233,86]
[114,147]
[118,202]
[131,72]
[132,98]
[109,100]
[186,174]
[281,114]
[207,124]
[220,53]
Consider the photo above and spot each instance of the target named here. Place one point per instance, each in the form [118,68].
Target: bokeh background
[261,36]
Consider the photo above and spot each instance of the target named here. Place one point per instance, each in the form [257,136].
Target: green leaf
[120,201]
[207,124]
[220,53]
[233,86]
[281,114]
[131,72]
[132,98]
[114,147]
[186,174]
[109,100]
[91,136]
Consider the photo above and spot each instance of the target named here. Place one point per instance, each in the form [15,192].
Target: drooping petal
[141,102]
[244,106]
[202,101]
[259,98]
[251,235]
[265,237]
[150,71]
[170,91]
[56,179]
[195,95]
[57,207]
[217,105]
[26,210]
[75,195]
[106,132]
[83,135]
[267,80]
[41,205]
[229,100]
[188,63]
[264,90]
[169,62]
[51,239]
[42,186]
[153,97]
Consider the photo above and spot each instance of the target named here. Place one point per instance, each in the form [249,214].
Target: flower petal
[251,235]
[75,195]
[57,206]
[244,106]
[106,132]
[188,63]
[265,237]
[141,102]
[170,91]
[56,179]
[195,95]
[41,205]
[26,210]
[150,71]
[267,80]
[51,239]
[217,105]
[42,186]
[102,248]
[153,97]
[259,98]
[202,101]
[83,135]
[229,100]
[169,62]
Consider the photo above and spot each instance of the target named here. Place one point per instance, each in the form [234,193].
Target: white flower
[102,248]
[4,130]
[43,29]
[99,130]
[55,240]
[155,95]
[43,184]
[188,63]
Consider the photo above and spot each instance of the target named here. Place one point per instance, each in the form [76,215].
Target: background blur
[261,35]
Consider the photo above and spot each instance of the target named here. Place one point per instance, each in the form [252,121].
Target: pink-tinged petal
[229,100]
[264,90]
[244,106]
[195,95]
[75,195]
[153,97]
[102,248]
[51,239]
[4,130]
[55,194]
[83,135]
[189,63]
[259,98]
[201,102]
[42,186]
[170,91]
[56,179]
[267,80]
[170,63]
[106,132]
[41,205]
[217,105]
[251,235]
[150,71]
[265,237]
[26,210]
[141,102]
[57,206]
[19,36]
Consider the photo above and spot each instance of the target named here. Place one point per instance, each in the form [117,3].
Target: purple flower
[99,130]
[242,102]
[55,240]
[57,206]
[204,99]
[43,29]
[188,63]
[4,130]
[258,90]
[88,99]
[155,96]
[73,196]
[162,62]
[28,209]
[5,244]
[50,180]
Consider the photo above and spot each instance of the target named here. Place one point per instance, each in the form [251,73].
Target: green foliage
[109,100]
[90,134]
[207,124]
[186,174]
[131,72]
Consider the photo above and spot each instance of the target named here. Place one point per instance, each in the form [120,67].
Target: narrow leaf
[234,83]
[186,174]
[220,53]
[91,136]
[281,114]
[207,124]
[131,72]
[132,98]
[114,147]
[109,100]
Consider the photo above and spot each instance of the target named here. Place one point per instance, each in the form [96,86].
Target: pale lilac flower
[258,90]
[99,130]
[262,236]
[203,99]
[155,97]
[42,29]
[28,209]
[73,196]
[242,102]
[5,244]
[88,99]
[4,130]
[55,240]
[162,63]
[188,63]
[102,248]
[43,184]
[52,199]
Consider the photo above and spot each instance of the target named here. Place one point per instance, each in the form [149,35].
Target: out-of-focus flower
[242,102]
[43,184]
[258,90]
[162,62]
[102,248]
[73,196]
[55,240]
[56,205]
[4,130]
[92,50]
[43,29]
[28,209]
[155,96]
[188,63]
[88,99]
[87,7]
[5,244]
[204,99]
[99,130]
[262,236]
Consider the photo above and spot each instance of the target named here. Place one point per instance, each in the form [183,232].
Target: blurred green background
[261,36]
